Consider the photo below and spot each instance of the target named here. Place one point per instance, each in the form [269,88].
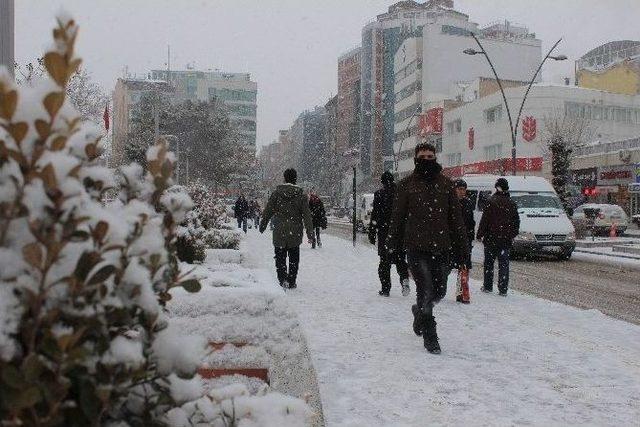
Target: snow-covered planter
[84,337]
[223,239]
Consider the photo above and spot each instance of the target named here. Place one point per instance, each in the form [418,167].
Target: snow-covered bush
[190,244]
[222,239]
[84,339]
[211,208]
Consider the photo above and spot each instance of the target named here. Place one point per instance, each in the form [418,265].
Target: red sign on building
[471,138]
[529,128]
[431,121]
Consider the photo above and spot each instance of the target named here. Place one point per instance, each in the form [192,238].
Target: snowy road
[612,289]
[519,360]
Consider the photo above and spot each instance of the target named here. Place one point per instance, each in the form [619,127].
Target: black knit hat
[460,183]
[290,176]
[387,178]
[502,184]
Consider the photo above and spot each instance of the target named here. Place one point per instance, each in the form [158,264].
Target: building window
[494,114]
[493,152]
[454,159]
[454,127]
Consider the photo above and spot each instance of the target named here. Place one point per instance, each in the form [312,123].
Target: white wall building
[408,97]
[447,76]
[612,117]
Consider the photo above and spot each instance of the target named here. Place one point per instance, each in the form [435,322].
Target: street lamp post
[514,129]
[353,155]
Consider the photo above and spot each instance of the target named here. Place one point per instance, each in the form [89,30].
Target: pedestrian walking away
[241,212]
[288,211]
[499,225]
[464,265]
[379,229]
[255,213]
[319,217]
[427,221]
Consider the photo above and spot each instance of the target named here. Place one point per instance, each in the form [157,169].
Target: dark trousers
[318,241]
[384,269]
[430,272]
[256,221]
[242,223]
[490,255]
[291,274]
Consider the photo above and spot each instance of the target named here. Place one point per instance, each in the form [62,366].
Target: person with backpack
[288,210]
[499,225]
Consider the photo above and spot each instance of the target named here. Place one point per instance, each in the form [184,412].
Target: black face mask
[427,167]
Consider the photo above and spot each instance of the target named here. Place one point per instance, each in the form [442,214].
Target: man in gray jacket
[289,208]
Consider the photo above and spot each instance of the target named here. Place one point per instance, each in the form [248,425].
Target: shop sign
[616,175]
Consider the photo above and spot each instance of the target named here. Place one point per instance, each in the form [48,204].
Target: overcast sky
[290,47]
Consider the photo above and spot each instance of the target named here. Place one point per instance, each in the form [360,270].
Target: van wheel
[565,256]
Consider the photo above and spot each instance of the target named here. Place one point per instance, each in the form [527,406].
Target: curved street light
[514,129]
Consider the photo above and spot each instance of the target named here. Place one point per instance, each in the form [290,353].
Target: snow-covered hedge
[190,244]
[84,339]
[211,208]
[222,239]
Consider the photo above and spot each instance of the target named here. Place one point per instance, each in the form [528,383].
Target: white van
[365,207]
[544,225]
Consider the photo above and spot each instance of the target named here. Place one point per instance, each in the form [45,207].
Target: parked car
[636,219]
[544,225]
[604,217]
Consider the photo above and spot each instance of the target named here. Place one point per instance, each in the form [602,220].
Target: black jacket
[500,222]
[241,209]
[381,216]
[427,217]
[318,214]
[467,216]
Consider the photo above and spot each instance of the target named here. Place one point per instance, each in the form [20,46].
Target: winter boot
[417,319]
[383,293]
[405,287]
[430,335]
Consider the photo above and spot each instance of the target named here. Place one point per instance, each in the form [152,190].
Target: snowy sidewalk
[519,360]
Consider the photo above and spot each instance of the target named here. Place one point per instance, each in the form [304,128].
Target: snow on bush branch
[84,339]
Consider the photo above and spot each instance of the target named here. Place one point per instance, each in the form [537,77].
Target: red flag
[105,116]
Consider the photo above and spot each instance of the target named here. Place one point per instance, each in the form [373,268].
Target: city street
[611,289]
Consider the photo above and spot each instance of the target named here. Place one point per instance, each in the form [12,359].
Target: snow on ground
[519,360]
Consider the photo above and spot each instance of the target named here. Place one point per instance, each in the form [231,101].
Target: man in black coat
[241,211]
[499,225]
[379,226]
[467,216]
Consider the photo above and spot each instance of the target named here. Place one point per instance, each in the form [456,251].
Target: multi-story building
[476,136]
[238,92]
[7,34]
[348,103]
[126,96]
[308,144]
[614,67]
[445,34]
